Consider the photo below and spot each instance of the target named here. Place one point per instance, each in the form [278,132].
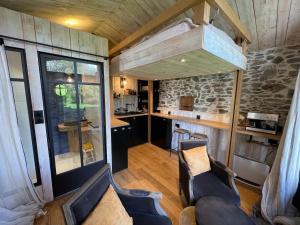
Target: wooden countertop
[242,130]
[117,123]
[207,123]
[133,115]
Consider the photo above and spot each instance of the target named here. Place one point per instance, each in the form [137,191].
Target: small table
[216,211]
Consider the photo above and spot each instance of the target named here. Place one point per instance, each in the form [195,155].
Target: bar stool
[180,135]
[199,136]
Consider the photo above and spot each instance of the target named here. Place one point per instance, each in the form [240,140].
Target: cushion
[109,211]
[216,211]
[197,160]
[207,184]
[147,219]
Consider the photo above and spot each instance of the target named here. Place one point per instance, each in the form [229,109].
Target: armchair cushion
[197,160]
[144,219]
[109,211]
[207,184]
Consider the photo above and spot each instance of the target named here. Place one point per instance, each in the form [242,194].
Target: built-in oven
[262,122]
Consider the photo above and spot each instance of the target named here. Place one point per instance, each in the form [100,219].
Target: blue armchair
[142,206]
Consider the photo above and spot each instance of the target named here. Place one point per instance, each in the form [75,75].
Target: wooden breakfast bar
[207,123]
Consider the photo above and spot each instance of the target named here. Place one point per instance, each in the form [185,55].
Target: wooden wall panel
[28,27]
[31,28]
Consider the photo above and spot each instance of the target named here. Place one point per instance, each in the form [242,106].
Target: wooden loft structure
[201,16]
[202,13]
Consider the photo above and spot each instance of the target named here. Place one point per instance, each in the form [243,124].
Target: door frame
[30,110]
[94,167]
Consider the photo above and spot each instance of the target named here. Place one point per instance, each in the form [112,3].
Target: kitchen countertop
[207,123]
[132,115]
[118,123]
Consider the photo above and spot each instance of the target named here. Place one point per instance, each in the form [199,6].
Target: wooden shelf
[242,130]
[207,123]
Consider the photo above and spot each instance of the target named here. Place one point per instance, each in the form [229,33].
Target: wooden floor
[150,168]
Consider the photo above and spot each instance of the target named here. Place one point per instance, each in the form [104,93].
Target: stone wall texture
[268,85]
[212,94]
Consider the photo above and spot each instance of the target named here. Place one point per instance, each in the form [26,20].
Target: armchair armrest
[225,174]
[186,179]
[140,201]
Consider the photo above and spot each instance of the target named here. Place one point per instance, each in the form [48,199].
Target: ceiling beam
[201,13]
[231,18]
[179,7]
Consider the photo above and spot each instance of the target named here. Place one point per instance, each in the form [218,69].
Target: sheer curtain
[19,203]
[281,184]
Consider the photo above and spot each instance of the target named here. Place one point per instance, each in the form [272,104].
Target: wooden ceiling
[270,22]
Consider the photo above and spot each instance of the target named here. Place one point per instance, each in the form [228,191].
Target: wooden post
[236,97]
[201,13]
[150,107]
[235,108]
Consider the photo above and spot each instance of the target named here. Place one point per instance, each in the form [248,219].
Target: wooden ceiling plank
[175,10]
[231,18]
[283,10]
[266,21]
[247,17]
[293,32]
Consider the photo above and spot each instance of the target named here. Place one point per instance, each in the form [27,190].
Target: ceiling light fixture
[71,22]
[183,60]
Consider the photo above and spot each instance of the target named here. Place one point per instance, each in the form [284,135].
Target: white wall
[26,27]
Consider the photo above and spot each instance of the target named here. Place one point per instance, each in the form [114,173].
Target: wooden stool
[180,133]
[187,216]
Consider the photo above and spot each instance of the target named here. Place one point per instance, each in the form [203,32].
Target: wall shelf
[242,130]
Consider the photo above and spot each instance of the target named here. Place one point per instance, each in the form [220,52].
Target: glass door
[73,94]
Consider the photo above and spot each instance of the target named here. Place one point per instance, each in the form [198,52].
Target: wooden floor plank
[150,168]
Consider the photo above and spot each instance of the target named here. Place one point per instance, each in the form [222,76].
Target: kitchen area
[152,112]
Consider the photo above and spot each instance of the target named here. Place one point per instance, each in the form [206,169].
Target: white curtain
[19,203]
[281,184]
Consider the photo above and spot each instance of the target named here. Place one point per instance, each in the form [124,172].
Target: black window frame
[42,58]
[30,110]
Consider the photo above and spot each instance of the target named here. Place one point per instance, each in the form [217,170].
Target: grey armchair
[142,206]
[218,182]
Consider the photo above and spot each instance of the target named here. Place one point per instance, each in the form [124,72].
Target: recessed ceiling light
[155,79]
[71,22]
[183,60]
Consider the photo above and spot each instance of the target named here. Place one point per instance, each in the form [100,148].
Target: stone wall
[212,94]
[269,83]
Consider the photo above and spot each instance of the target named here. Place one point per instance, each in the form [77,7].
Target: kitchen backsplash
[268,87]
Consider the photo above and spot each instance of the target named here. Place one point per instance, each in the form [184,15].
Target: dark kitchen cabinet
[119,141]
[161,132]
[138,133]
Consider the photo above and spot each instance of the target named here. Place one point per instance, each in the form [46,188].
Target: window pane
[92,133]
[24,127]
[14,61]
[60,70]
[88,73]
[62,109]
